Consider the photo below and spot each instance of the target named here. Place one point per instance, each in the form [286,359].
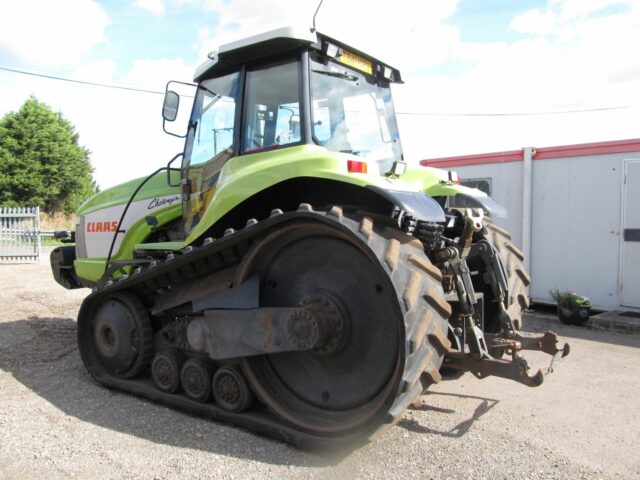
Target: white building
[574,210]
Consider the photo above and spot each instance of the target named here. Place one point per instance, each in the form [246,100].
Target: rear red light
[354,166]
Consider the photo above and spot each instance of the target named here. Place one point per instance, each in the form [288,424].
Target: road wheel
[231,391]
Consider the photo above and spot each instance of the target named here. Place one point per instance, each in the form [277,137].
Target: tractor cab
[282,89]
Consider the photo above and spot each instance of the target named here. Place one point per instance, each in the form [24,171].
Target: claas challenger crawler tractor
[295,276]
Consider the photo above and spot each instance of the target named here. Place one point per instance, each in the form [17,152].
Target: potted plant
[573,309]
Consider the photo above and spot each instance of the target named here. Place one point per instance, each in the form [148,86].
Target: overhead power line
[424,114]
[512,114]
[83,82]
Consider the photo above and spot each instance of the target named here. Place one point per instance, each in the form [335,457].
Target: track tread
[439,338]
[336,212]
[366,227]
[411,290]
[419,333]
[392,254]
[500,231]
[524,276]
[422,362]
[428,267]
[432,376]
[437,301]
[515,250]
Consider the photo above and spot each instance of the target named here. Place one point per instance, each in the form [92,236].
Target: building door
[630,251]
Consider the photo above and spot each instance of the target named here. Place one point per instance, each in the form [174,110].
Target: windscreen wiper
[343,75]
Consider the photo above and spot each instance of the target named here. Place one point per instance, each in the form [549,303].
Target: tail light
[355,166]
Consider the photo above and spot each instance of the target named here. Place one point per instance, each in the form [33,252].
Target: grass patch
[51,242]
[57,222]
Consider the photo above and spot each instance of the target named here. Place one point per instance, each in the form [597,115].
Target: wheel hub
[330,320]
[228,389]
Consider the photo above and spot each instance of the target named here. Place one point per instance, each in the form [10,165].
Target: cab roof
[278,41]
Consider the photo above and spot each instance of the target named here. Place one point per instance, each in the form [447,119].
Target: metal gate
[19,234]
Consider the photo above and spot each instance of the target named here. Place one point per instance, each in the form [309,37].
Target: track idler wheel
[165,370]
[231,391]
[195,378]
[122,335]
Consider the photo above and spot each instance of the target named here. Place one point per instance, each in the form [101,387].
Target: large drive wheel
[517,277]
[389,342]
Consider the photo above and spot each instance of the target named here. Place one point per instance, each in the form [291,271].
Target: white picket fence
[19,234]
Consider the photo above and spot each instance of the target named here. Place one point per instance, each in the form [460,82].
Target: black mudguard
[417,204]
[488,204]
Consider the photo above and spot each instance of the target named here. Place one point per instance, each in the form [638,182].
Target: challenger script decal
[163,202]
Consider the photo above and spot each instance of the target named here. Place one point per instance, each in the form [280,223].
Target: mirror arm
[169,169]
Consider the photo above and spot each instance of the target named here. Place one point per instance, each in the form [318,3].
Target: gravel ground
[56,422]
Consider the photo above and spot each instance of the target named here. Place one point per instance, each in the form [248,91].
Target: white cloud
[97,70]
[154,6]
[534,21]
[572,9]
[408,35]
[160,71]
[50,33]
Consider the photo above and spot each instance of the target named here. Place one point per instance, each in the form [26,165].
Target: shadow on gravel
[41,353]
[461,428]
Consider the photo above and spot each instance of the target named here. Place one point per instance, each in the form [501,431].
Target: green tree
[41,162]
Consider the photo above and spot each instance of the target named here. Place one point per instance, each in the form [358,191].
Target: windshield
[352,114]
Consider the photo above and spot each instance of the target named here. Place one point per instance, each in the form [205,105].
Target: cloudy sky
[480,76]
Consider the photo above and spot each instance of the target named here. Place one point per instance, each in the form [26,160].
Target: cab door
[210,144]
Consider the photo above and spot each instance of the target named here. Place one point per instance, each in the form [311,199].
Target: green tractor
[295,276]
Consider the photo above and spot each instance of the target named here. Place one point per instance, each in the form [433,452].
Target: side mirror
[170,106]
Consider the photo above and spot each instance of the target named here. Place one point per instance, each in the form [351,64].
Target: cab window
[272,107]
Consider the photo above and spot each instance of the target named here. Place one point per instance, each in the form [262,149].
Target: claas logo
[100,227]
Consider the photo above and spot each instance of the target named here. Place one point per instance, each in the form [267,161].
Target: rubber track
[517,276]
[426,312]
[415,279]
